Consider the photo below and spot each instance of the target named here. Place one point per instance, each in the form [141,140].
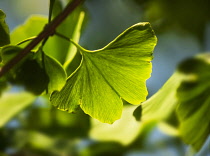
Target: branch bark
[48,31]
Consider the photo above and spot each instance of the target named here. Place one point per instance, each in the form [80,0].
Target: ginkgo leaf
[119,70]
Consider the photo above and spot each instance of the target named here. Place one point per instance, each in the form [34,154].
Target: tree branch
[48,31]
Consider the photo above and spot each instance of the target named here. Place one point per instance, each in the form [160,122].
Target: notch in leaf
[119,70]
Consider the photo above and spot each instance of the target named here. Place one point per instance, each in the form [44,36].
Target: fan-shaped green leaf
[118,70]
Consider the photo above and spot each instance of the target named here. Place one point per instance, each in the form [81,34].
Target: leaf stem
[48,31]
[26,40]
[70,40]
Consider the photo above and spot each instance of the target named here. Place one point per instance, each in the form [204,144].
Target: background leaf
[24,73]
[186,93]
[4,30]
[32,27]
[8,52]
[124,130]
[194,102]
[3,84]
[12,103]
[51,73]
[118,70]
[162,104]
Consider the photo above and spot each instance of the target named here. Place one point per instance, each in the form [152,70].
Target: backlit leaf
[119,70]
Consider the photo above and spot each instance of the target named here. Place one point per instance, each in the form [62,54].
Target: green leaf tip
[119,70]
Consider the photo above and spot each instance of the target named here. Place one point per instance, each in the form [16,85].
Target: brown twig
[48,31]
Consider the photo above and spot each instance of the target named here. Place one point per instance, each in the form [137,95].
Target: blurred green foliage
[191,16]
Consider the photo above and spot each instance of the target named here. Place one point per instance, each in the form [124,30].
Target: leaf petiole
[26,40]
[70,40]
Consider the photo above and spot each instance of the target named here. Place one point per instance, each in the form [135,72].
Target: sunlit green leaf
[12,103]
[4,30]
[116,71]
[117,132]
[194,101]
